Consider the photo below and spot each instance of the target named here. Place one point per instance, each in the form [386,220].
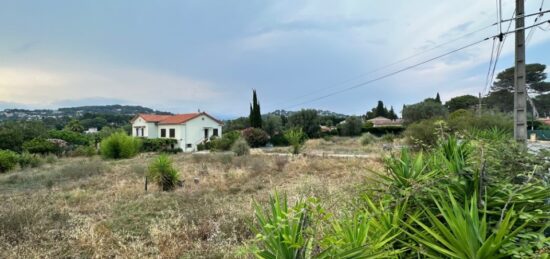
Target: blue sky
[182,56]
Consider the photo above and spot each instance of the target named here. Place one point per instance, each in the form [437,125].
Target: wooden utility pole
[479,105]
[520,91]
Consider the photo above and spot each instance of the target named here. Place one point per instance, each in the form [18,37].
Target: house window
[137,132]
[215,133]
[163,133]
[172,133]
[189,145]
[205,133]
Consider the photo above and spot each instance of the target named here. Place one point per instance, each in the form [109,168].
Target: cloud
[45,87]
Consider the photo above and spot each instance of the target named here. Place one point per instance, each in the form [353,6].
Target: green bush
[158,144]
[368,139]
[163,173]
[29,160]
[255,137]
[41,146]
[240,147]
[8,160]
[296,138]
[352,126]
[84,151]
[225,142]
[422,133]
[119,145]
[279,140]
[72,137]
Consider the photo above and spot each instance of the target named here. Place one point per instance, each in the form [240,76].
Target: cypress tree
[437,98]
[255,116]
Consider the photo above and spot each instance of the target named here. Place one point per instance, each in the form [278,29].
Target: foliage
[163,173]
[426,109]
[352,126]
[41,146]
[72,137]
[407,170]
[8,160]
[279,140]
[273,124]
[74,126]
[255,137]
[119,146]
[534,79]
[380,131]
[255,116]
[367,139]
[296,138]
[14,133]
[29,160]
[282,232]
[236,124]
[422,133]
[461,231]
[240,147]
[157,144]
[87,151]
[462,102]
[226,141]
[308,120]
[500,101]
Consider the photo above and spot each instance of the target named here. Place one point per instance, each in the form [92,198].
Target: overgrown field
[94,208]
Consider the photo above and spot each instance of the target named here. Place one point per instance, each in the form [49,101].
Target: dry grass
[89,208]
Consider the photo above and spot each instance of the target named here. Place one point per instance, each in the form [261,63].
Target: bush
[368,139]
[240,147]
[157,144]
[225,142]
[119,145]
[352,126]
[8,160]
[163,173]
[296,138]
[71,137]
[422,133]
[41,146]
[84,151]
[29,160]
[379,131]
[255,137]
[279,140]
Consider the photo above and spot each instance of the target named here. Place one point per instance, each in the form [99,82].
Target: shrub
[352,126]
[119,145]
[379,131]
[296,138]
[422,133]
[163,173]
[280,162]
[368,139]
[41,146]
[240,147]
[84,151]
[226,141]
[255,137]
[279,140]
[29,160]
[157,144]
[8,160]
[71,137]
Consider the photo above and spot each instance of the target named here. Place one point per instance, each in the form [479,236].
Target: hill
[320,112]
[73,112]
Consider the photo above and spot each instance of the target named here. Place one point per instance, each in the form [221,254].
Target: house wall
[193,132]
[139,122]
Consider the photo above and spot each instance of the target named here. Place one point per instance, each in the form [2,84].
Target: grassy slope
[79,207]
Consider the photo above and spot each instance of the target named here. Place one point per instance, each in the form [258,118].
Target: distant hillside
[320,112]
[73,112]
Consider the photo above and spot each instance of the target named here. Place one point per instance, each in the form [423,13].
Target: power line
[412,66]
[342,83]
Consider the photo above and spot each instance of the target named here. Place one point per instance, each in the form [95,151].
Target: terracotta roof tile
[173,119]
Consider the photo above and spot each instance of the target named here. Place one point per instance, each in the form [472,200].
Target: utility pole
[520,91]
[479,106]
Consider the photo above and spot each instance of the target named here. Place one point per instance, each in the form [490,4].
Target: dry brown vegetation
[91,208]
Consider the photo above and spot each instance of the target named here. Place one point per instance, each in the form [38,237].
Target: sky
[181,55]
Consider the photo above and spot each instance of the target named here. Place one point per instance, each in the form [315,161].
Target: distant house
[385,122]
[188,129]
[91,130]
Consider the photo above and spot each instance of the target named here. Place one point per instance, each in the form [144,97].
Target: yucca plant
[407,170]
[351,237]
[296,138]
[163,173]
[456,231]
[282,232]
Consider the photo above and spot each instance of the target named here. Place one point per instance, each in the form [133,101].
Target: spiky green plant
[163,173]
[296,139]
[282,232]
[407,170]
[351,237]
[455,231]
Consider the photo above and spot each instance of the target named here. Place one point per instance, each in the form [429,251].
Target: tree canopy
[255,113]
[535,79]
[461,102]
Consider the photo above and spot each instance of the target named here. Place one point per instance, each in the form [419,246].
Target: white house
[189,129]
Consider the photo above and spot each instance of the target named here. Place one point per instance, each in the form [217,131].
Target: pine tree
[255,113]
[391,114]
[381,110]
[437,98]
